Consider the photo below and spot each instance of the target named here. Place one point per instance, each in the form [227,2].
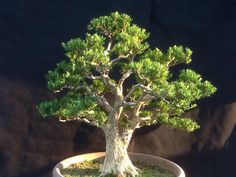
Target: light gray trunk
[117,160]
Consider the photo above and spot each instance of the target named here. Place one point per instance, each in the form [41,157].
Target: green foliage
[115,40]
[71,106]
[178,54]
[128,37]
[180,123]
[111,26]
[72,47]
[148,71]
[65,74]
[130,41]
[99,87]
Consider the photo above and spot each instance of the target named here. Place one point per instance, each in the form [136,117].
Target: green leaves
[72,48]
[131,41]
[173,98]
[99,87]
[94,54]
[73,45]
[65,74]
[178,54]
[155,55]
[112,25]
[150,71]
[128,38]
[73,105]
[115,42]
[189,86]
[179,123]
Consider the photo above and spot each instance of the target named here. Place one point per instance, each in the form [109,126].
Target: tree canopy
[84,78]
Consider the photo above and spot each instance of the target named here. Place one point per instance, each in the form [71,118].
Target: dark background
[30,37]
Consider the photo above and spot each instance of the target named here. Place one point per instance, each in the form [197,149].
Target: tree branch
[129,103]
[145,89]
[148,97]
[109,44]
[68,87]
[101,100]
[135,121]
[93,77]
[104,104]
[134,87]
[124,77]
[145,118]
[109,83]
[64,87]
[115,60]
[82,119]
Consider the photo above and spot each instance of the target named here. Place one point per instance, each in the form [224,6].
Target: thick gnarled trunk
[117,160]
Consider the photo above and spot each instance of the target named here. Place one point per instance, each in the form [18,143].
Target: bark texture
[117,160]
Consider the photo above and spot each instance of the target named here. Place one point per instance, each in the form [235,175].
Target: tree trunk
[117,161]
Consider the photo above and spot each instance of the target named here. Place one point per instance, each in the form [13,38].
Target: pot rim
[144,158]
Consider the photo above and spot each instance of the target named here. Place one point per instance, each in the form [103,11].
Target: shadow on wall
[39,172]
[28,142]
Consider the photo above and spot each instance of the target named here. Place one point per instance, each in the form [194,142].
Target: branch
[91,122]
[148,97]
[68,87]
[115,60]
[93,77]
[124,77]
[146,89]
[170,63]
[101,100]
[143,99]
[138,105]
[104,104]
[109,83]
[62,88]
[109,44]
[145,118]
[135,121]
[134,87]
[97,68]
[129,103]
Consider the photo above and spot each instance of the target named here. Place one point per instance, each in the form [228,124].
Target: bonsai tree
[90,94]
